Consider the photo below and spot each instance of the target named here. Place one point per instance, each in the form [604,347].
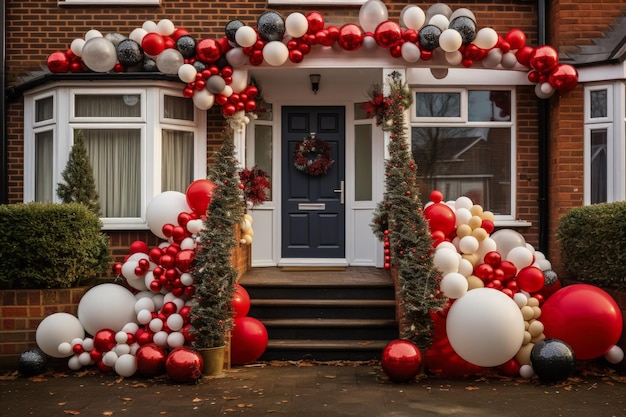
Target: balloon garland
[312,146]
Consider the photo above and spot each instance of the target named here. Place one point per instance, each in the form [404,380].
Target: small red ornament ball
[401,360]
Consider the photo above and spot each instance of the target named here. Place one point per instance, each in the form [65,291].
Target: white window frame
[151,123]
[508,220]
[108,2]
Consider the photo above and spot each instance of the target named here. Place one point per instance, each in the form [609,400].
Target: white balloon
[544,264]
[149,26]
[447,245]
[227,91]
[126,365]
[486,246]
[158,301]
[156,325]
[186,279]
[144,303]
[164,209]
[239,80]
[296,25]
[468,244]
[539,92]
[465,267]
[84,359]
[454,285]
[56,329]
[160,338]
[275,53]
[130,328]
[463,202]
[410,52]
[99,54]
[446,260]
[485,327]
[526,371]
[236,57]
[74,363]
[194,226]
[486,38]
[169,61]
[413,17]
[547,89]
[371,14]
[121,337]
[441,22]
[137,35]
[493,58]
[507,239]
[109,358]
[187,243]
[245,36]
[64,349]
[509,60]
[462,11]
[106,306]
[77,46]
[520,256]
[93,33]
[175,322]
[187,73]
[175,339]
[165,27]
[520,299]
[615,355]
[122,349]
[144,316]
[88,344]
[463,216]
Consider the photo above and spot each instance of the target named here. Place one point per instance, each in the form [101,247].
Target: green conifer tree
[214,276]
[79,185]
[399,217]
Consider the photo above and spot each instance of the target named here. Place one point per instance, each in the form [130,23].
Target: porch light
[315,82]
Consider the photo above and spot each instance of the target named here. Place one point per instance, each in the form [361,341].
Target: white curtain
[44,187]
[177,160]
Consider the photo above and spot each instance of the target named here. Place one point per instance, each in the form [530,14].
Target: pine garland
[399,218]
[214,276]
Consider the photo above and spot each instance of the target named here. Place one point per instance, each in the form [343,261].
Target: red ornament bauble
[184,365]
[58,62]
[564,78]
[388,34]
[544,59]
[350,37]
[241,301]
[530,279]
[151,360]
[515,38]
[401,360]
[138,246]
[440,217]
[104,340]
[153,43]
[585,317]
[248,340]
[316,22]
[199,194]
[436,196]
[208,50]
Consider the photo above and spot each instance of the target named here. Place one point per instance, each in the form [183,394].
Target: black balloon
[550,278]
[199,66]
[129,53]
[271,26]
[32,362]
[466,27]
[149,65]
[428,37]
[553,360]
[231,29]
[186,45]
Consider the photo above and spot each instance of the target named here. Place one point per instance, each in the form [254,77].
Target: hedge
[46,245]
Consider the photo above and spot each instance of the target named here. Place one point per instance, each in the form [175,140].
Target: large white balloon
[245,36]
[164,209]
[99,54]
[486,38]
[446,260]
[485,327]
[372,14]
[413,17]
[106,306]
[520,256]
[296,25]
[56,329]
[507,239]
[126,365]
[169,61]
[204,100]
[275,53]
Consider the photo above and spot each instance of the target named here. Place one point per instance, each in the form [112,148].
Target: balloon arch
[211,68]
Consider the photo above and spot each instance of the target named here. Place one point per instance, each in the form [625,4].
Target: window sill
[512,223]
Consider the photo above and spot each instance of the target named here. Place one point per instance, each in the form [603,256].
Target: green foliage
[408,232]
[593,244]
[50,245]
[215,277]
[79,185]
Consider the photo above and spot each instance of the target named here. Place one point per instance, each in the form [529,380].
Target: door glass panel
[363,162]
[598,166]
[263,151]
[359,112]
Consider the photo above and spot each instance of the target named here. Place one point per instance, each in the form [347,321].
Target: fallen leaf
[71,412]
[197,400]
[471,388]
[107,413]
[229,398]
[270,411]
[126,399]
[38,379]
[330,376]
[62,404]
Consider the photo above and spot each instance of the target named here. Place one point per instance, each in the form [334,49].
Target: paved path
[310,390]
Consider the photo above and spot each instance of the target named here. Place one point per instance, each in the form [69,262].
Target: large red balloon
[530,279]
[184,365]
[104,340]
[58,62]
[388,34]
[350,37]
[440,217]
[585,317]
[515,38]
[401,360]
[544,59]
[153,43]
[564,78]
[151,360]
[209,50]
[241,301]
[199,195]
[248,340]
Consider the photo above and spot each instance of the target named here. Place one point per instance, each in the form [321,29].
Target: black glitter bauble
[231,29]
[466,27]
[149,65]
[550,277]
[271,26]
[129,53]
[186,45]
[429,37]
[32,362]
[553,360]
[199,66]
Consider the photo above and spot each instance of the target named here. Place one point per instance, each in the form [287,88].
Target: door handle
[341,192]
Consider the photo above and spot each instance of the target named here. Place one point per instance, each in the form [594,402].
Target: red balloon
[248,340]
[493,258]
[153,43]
[316,22]
[199,194]
[104,340]
[436,196]
[544,59]
[241,301]
[564,78]
[151,360]
[388,34]
[440,217]
[484,272]
[401,360]
[515,38]
[530,279]
[488,226]
[350,37]
[184,365]
[58,62]
[523,55]
[509,269]
[208,50]
[585,317]
[184,259]
[511,368]
[139,247]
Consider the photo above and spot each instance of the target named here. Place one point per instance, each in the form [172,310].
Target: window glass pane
[437,104]
[263,150]
[264,111]
[176,161]
[486,106]
[44,109]
[115,156]
[359,113]
[599,166]
[599,105]
[363,162]
[107,105]
[474,162]
[179,108]
[44,187]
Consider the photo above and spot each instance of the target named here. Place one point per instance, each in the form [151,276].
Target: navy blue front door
[313,210]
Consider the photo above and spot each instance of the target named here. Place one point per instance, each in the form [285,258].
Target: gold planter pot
[213,360]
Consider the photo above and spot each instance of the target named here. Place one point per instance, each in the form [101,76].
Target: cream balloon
[245,36]
[413,17]
[203,99]
[486,38]
[410,52]
[165,27]
[296,25]
[275,53]
[138,34]
[106,306]
[77,46]
[187,73]
[450,40]
[371,14]
[239,80]
[149,26]
[454,285]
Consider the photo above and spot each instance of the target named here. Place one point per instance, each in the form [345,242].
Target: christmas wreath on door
[312,156]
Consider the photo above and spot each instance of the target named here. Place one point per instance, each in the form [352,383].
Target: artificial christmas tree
[399,220]
[79,185]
